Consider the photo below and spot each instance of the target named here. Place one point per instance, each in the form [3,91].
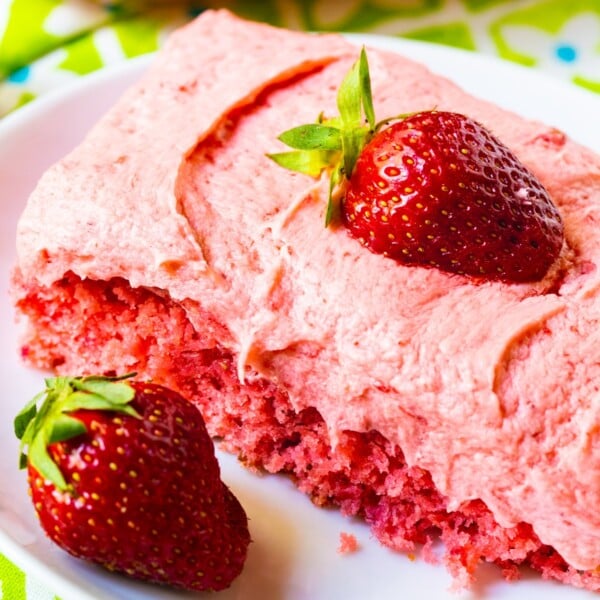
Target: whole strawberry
[123,473]
[438,189]
[434,188]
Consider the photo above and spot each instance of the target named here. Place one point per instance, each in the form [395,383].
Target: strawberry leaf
[65,428]
[355,103]
[25,416]
[308,162]
[44,420]
[44,464]
[335,143]
[352,144]
[26,439]
[114,392]
[365,89]
[332,209]
[83,400]
[349,101]
[109,387]
[313,136]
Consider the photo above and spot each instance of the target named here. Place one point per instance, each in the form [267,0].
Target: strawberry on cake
[434,403]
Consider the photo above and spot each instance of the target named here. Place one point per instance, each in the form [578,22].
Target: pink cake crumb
[348,543]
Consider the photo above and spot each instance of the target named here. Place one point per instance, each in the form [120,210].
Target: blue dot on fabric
[566,53]
[20,75]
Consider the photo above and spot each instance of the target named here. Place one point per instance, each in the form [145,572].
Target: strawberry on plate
[433,188]
[123,473]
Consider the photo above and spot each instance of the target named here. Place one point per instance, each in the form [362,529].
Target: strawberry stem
[45,420]
[334,144]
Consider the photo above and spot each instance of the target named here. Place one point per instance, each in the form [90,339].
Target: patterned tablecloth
[45,44]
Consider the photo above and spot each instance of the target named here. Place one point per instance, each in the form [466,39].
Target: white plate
[294,555]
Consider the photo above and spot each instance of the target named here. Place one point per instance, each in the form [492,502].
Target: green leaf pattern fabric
[46,44]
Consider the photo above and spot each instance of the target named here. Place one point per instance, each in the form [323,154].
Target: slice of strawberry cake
[435,405]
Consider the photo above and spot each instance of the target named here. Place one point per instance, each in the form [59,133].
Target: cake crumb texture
[348,543]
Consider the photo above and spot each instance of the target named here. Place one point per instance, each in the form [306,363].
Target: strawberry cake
[433,405]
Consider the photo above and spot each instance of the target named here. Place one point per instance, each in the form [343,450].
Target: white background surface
[294,553]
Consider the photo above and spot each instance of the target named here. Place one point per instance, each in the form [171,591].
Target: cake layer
[490,388]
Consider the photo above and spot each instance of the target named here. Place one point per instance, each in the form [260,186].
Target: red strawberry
[123,473]
[433,188]
[438,189]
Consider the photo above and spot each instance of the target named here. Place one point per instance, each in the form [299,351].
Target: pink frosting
[492,387]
